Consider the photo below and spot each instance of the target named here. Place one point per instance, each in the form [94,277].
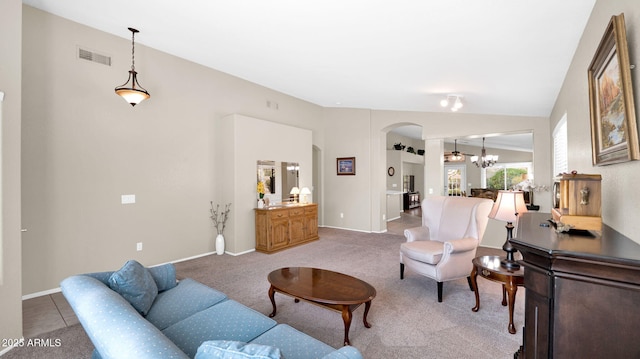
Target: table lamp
[507,207]
[304,192]
[295,191]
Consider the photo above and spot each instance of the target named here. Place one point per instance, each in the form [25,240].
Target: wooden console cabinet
[278,228]
[582,292]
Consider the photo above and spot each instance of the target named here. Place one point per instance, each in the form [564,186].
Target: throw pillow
[135,284]
[229,349]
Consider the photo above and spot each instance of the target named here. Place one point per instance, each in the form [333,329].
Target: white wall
[10,236]
[80,154]
[250,140]
[620,190]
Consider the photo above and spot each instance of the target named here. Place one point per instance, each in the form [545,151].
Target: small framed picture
[346,166]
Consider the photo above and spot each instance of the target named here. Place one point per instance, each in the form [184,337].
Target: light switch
[128,198]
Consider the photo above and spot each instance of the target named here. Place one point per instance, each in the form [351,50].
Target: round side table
[489,267]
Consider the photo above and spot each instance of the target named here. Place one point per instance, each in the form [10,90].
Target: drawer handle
[485,272]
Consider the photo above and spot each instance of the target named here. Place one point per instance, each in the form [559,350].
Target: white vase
[260,203]
[220,244]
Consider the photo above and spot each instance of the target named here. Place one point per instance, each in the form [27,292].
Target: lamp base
[509,262]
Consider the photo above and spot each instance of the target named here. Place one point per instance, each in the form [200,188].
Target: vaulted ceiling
[502,56]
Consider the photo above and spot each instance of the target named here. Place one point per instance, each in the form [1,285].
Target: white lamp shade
[132,96]
[305,190]
[508,206]
[295,190]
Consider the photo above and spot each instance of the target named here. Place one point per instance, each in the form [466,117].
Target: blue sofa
[140,312]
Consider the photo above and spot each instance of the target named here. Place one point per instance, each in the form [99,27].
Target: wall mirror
[279,179]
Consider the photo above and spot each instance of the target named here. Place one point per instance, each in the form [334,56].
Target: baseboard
[41,294]
[58,290]
[7,349]
[350,229]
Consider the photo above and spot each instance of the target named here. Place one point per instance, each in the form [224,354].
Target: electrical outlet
[128,199]
[384,217]
[139,246]
[341,215]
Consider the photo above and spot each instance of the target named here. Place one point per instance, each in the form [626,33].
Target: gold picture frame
[614,133]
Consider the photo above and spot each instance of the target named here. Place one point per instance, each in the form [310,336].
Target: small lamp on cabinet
[305,192]
[295,191]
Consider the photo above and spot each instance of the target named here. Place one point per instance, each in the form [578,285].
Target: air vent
[94,56]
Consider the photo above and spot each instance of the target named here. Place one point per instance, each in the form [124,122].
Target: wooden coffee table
[329,289]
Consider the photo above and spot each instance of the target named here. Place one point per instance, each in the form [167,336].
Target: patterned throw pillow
[135,284]
[228,349]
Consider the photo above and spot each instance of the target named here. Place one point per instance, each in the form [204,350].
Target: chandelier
[485,160]
[131,91]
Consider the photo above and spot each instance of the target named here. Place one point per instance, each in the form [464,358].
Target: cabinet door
[279,233]
[296,225]
[536,325]
[311,223]
[262,238]
[538,304]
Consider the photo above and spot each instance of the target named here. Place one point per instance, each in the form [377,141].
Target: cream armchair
[443,247]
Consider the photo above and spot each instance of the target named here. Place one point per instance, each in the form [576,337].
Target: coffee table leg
[474,286]
[346,317]
[367,305]
[272,294]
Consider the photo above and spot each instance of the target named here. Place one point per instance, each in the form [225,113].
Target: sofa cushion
[135,284]
[228,320]
[294,344]
[182,301]
[423,251]
[164,275]
[229,349]
[346,352]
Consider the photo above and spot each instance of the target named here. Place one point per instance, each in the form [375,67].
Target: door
[455,179]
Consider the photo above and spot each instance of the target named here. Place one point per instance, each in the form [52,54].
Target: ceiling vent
[94,56]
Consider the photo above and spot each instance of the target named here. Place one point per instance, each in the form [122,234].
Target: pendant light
[485,160]
[131,91]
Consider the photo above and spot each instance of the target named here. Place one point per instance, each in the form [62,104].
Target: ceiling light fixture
[485,160]
[454,100]
[131,91]
[455,156]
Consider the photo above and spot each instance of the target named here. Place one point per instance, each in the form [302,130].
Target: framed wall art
[614,133]
[346,165]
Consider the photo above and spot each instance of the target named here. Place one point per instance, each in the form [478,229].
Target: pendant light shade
[131,90]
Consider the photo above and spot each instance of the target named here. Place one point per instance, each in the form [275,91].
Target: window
[560,151]
[506,175]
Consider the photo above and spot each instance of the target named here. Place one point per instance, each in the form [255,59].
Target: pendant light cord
[133,49]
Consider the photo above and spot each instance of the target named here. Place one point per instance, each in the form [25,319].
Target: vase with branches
[219,219]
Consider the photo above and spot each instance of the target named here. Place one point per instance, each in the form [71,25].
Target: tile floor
[46,313]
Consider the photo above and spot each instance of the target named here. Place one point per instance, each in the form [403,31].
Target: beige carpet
[407,321]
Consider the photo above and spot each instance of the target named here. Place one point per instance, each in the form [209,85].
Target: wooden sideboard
[582,292]
[279,228]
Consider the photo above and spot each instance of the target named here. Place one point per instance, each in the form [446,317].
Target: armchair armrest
[417,234]
[460,245]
